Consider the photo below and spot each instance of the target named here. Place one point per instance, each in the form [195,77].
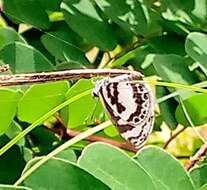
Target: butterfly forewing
[130,107]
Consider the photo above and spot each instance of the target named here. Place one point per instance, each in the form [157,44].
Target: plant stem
[199,156]
[30,78]
[173,137]
[95,138]
[177,85]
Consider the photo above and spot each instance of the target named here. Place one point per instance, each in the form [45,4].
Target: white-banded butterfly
[130,106]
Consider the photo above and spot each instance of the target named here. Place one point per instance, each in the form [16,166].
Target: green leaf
[12,187]
[175,27]
[167,108]
[32,36]
[168,44]
[195,46]
[85,109]
[115,168]
[68,155]
[173,68]
[8,105]
[61,43]
[200,14]
[178,10]
[198,176]
[27,153]
[111,131]
[9,35]
[44,140]
[167,173]
[23,11]
[204,187]
[128,56]
[11,163]
[196,108]
[41,98]
[60,174]
[53,5]
[13,130]
[192,12]
[132,15]
[83,18]
[24,58]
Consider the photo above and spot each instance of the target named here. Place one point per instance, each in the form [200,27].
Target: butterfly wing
[131,108]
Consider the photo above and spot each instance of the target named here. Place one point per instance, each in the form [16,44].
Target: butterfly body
[130,106]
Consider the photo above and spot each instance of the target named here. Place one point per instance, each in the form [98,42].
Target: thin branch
[173,137]
[182,157]
[199,156]
[95,138]
[19,79]
[67,134]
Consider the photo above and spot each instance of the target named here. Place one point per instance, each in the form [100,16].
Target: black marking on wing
[115,119]
[139,101]
[138,136]
[109,109]
[142,137]
[114,97]
[125,128]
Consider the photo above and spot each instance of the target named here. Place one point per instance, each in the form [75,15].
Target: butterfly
[130,105]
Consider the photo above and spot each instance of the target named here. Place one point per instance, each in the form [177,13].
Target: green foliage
[164,38]
[112,167]
[22,11]
[63,47]
[16,55]
[197,112]
[11,163]
[68,176]
[8,102]
[196,48]
[79,16]
[11,187]
[171,177]
[199,176]
[46,96]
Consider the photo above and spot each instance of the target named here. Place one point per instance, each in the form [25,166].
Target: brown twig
[69,133]
[19,79]
[95,138]
[173,137]
[199,156]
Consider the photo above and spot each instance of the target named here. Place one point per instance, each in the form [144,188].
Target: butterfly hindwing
[130,107]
